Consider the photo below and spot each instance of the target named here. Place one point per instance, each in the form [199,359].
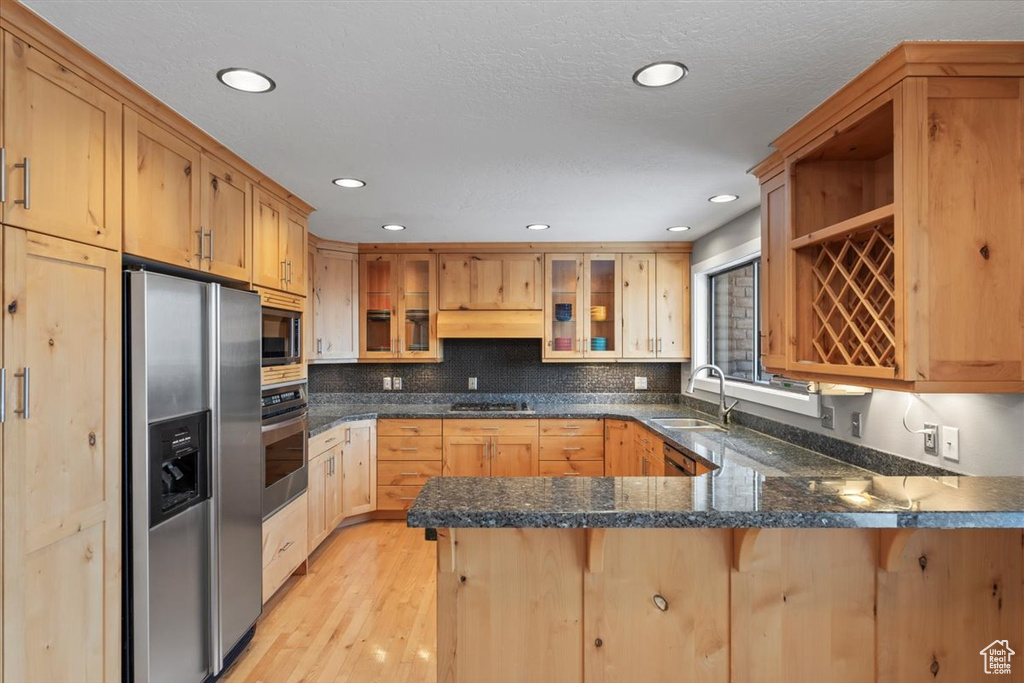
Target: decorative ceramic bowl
[598,344]
[599,313]
[563,312]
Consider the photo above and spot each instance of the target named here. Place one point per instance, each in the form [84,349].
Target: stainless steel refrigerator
[193,476]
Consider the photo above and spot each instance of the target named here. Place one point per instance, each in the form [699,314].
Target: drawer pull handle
[408,448]
[571,427]
[287,545]
[409,474]
[333,438]
[407,498]
[570,474]
[490,429]
[574,448]
[415,429]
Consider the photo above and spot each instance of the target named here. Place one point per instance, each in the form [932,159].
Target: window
[734,318]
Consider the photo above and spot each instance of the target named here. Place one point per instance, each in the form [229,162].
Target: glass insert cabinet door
[564,317]
[379,334]
[602,280]
[418,305]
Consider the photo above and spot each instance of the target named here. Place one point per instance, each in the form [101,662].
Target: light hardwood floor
[367,611]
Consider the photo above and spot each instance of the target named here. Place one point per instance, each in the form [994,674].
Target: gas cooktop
[489,407]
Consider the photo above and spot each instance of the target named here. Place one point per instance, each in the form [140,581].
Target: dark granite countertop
[757,481]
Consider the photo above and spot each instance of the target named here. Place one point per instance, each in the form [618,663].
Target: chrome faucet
[723,410]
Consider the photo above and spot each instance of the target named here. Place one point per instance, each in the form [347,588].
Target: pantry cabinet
[398,307]
[891,222]
[62,150]
[61,476]
[334,303]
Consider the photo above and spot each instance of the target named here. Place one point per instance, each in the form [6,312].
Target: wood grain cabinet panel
[285,545]
[514,456]
[575,427]
[672,279]
[467,456]
[407,472]
[334,296]
[293,251]
[571,448]
[409,427]
[774,249]
[268,265]
[69,131]
[484,281]
[62,493]
[397,498]
[619,460]
[226,218]
[359,493]
[572,468]
[161,195]
[639,306]
[409,448]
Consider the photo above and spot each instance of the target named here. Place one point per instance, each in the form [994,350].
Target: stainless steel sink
[688,423]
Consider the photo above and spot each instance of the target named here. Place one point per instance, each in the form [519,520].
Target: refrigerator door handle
[216,653]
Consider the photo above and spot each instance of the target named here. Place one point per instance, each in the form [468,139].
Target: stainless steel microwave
[282,337]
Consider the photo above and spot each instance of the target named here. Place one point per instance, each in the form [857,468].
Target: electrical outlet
[951,443]
[639,383]
[472,382]
[856,424]
[396,383]
[387,384]
[931,438]
[828,417]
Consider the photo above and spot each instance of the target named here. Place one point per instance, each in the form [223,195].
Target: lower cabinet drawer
[491,427]
[323,442]
[572,448]
[409,448]
[575,468]
[283,373]
[407,472]
[284,545]
[396,497]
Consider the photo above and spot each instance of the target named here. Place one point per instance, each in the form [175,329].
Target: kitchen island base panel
[652,605]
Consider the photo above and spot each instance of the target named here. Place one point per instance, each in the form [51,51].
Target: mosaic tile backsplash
[500,366]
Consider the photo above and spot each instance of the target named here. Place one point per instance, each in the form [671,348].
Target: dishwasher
[678,464]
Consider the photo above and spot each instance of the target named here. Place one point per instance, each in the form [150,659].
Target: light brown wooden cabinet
[359,480]
[63,149]
[226,218]
[324,495]
[279,244]
[398,307]
[408,453]
[475,282]
[334,301]
[891,223]
[285,545]
[61,476]
[619,460]
[485,448]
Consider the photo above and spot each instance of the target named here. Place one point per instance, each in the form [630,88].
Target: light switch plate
[472,382]
[856,424]
[639,383]
[396,383]
[951,443]
[828,417]
[387,384]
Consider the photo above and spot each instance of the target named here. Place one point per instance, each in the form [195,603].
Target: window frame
[758,374]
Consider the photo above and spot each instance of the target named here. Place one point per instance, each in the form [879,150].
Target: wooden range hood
[490,324]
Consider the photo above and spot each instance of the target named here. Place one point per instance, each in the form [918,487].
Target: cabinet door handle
[348,435]
[409,474]
[201,255]
[27,201]
[319,346]
[573,448]
[25,392]
[287,545]
[650,345]
[659,344]
[210,235]
[3,175]
[284,272]
[3,395]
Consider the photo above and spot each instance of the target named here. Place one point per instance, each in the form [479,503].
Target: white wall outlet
[396,383]
[387,384]
[856,424]
[639,383]
[472,382]
[931,438]
[951,443]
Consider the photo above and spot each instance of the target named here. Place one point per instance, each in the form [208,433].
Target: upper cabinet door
[418,306]
[226,221]
[334,306]
[563,304]
[63,141]
[268,266]
[293,252]
[774,248]
[62,476]
[482,282]
[161,195]
[673,306]
[378,306]
[603,290]
[639,310]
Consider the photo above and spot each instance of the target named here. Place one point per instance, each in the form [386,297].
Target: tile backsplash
[500,366]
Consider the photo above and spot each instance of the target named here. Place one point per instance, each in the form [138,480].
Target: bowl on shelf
[598,344]
[563,312]
[563,343]
[599,313]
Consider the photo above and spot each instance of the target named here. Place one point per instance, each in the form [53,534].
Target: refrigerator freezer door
[238,480]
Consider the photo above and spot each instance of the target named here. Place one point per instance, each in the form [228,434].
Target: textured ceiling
[469,120]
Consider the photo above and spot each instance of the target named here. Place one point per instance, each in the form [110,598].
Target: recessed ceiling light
[246,80]
[722,198]
[678,228]
[349,182]
[537,226]
[660,74]
[393,227]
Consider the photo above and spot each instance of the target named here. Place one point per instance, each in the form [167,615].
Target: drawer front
[576,468]
[587,427]
[273,299]
[485,427]
[572,448]
[407,473]
[284,545]
[323,442]
[396,497]
[422,427]
[283,373]
[409,448]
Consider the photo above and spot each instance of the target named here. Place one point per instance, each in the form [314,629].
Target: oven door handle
[284,425]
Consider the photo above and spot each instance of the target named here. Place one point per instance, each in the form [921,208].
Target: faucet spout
[723,409]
